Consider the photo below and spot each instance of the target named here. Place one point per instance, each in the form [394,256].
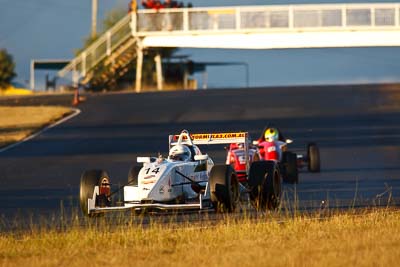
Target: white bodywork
[159,181]
[167,184]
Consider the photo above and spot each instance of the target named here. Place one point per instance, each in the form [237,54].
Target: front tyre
[224,188]
[89,180]
[265,185]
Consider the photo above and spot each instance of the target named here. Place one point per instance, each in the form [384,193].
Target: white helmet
[180,152]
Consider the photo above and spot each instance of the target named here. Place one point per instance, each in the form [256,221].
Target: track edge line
[76,112]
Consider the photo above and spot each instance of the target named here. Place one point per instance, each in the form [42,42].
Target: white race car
[187,179]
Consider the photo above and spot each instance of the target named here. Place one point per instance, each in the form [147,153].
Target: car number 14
[155,170]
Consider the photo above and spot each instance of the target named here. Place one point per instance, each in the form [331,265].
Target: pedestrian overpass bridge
[271,27]
[241,27]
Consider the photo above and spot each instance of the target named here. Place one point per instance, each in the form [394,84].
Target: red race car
[272,146]
[236,157]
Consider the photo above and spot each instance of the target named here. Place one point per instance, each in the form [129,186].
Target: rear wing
[185,138]
[211,138]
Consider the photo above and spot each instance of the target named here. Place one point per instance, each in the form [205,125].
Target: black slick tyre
[314,164]
[290,171]
[224,188]
[265,185]
[89,180]
[133,175]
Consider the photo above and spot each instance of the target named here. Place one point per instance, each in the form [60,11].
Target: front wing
[203,203]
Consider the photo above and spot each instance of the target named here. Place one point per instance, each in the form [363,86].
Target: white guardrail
[237,19]
[267,18]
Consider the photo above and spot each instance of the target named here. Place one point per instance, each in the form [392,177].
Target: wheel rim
[105,187]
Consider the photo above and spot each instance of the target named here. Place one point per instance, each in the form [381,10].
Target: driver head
[271,134]
[180,153]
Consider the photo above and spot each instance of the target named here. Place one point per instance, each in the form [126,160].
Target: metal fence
[268,18]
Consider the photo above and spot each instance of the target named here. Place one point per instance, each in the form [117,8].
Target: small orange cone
[75,102]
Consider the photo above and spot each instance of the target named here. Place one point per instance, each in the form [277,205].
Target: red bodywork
[236,158]
[269,150]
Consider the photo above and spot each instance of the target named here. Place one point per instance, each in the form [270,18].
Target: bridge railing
[267,18]
[100,49]
[238,19]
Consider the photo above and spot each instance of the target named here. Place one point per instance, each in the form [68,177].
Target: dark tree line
[7,67]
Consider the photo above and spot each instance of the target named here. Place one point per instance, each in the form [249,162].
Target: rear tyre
[291,172]
[133,175]
[265,185]
[314,164]
[89,180]
[224,188]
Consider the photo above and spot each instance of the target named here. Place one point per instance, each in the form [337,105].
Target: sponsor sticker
[149,182]
[217,136]
[169,185]
[211,136]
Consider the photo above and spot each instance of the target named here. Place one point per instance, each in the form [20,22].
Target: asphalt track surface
[356,127]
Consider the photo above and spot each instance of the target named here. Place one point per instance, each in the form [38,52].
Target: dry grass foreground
[372,239]
[17,123]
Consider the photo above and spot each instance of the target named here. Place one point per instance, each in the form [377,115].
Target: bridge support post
[205,79]
[75,77]
[157,60]
[32,78]
[139,67]
[185,78]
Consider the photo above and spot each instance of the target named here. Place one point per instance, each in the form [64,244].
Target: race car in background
[236,157]
[272,146]
[187,179]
